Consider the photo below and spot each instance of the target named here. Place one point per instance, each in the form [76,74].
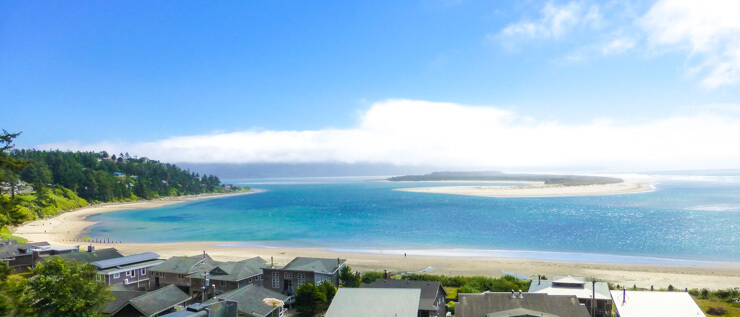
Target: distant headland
[565,180]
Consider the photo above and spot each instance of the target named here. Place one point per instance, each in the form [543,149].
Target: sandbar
[62,229]
[537,190]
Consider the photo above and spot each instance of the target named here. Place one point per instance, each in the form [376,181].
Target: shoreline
[537,190]
[61,229]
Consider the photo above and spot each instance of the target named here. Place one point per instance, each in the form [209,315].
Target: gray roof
[120,300]
[249,299]
[429,290]
[160,300]
[317,265]
[185,264]
[10,248]
[125,260]
[485,304]
[214,309]
[372,302]
[569,285]
[234,271]
[89,257]
[134,266]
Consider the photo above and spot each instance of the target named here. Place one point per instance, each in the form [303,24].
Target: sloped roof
[569,280]
[10,248]
[582,290]
[475,305]
[125,260]
[655,304]
[429,290]
[185,264]
[520,312]
[317,265]
[89,257]
[120,299]
[249,299]
[160,300]
[372,302]
[235,271]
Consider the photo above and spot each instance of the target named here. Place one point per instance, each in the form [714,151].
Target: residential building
[227,276]
[579,287]
[302,270]
[250,301]
[432,300]
[178,269]
[131,271]
[372,302]
[500,304]
[154,303]
[655,304]
[21,257]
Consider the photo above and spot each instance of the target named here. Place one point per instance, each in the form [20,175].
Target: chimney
[272,263]
[624,295]
[593,298]
[204,254]
[520,294]
[339,263]
[385,274]
[539,279]
[512,295]
[90,248]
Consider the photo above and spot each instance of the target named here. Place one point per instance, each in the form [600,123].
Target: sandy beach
[537,190]
[63,228]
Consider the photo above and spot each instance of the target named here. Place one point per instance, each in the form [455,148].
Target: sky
[603,85]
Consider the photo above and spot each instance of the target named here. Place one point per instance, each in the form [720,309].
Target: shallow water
[682,219]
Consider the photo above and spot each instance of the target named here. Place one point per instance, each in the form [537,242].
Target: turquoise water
[681,219]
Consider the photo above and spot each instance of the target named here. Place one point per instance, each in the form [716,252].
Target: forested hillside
[36,184]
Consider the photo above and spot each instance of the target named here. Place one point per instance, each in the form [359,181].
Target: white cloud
[554,22]
[618,46]
[448,134]
[709,29]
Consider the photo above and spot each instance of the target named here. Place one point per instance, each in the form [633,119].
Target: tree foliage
[309,300]
[348,278]
[473,284]
[328,290]
[61,288]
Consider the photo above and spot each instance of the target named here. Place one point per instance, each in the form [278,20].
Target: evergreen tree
[348,278]
[309,300]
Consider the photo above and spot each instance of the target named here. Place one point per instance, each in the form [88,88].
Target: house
[250,301]
[432,300]
[577,286]
[227,276]
[500,304]
[216,309]
[154,303]
[302,270]
[178,271]
[372,302]
[655,304]
[92,255]
[130,271]
[21,257]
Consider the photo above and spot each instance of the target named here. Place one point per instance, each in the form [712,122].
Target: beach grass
[706,304]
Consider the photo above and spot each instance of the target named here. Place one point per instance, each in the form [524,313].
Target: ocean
[688,219]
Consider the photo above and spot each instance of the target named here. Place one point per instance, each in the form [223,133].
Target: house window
[288,276]
[143,272]
[249,280]
[128,273]
[133,273]
[275,280]
[222,283]
[117,275]
[99,277]
[180,275]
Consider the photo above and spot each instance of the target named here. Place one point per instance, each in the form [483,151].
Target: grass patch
[6,235]
[451,293]
[705,304]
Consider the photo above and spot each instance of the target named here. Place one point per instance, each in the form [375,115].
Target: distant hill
[278,170]
[568,180]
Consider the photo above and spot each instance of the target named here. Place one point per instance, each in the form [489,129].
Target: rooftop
[429,290]
[186,265]
[234,271]
[125,260]
[655,304]
[570,285]
[371,302]
[160,300]
[494,304]
[318,265]
[249,299]
[89,257]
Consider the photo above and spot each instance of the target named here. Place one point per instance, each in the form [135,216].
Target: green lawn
[732,310]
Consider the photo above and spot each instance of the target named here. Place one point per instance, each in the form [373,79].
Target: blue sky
[298,81]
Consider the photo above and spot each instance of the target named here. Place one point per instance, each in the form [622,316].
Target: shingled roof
[429,290]
[185,264]
[10,248]
[493,304]
[160,300]
[317,265]
[94,256]
[120,299]
[249,299]
[235,271]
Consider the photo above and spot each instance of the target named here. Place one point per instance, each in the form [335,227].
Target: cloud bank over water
[413,132]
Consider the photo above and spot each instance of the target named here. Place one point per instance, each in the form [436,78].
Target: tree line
[63,180]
